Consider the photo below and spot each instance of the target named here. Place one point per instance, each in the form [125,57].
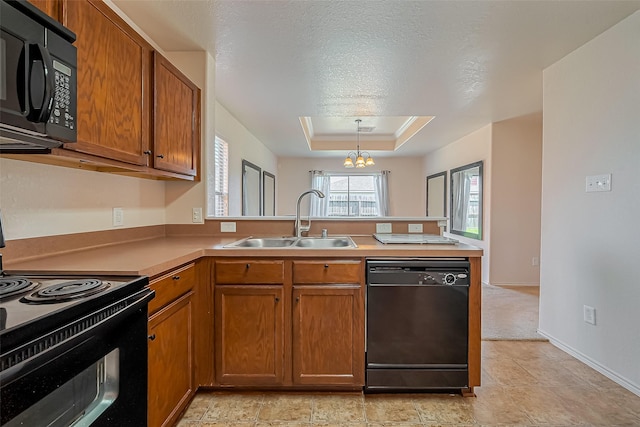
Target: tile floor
[524,383]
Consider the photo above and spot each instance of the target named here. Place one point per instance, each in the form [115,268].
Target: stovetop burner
[15,285]
[66,291]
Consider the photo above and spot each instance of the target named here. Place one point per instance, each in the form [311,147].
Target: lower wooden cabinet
[289,323]
[171,346]
[249,326]
[328,337]
[170,361]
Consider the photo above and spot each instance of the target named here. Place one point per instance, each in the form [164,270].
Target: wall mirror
[251,190]
[268,194]
[466,201]
[437,194]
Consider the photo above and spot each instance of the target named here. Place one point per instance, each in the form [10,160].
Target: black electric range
[31,305]
[73,347]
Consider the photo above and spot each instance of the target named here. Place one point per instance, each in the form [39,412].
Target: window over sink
[350,194]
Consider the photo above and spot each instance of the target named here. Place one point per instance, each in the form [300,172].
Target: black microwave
[38,73]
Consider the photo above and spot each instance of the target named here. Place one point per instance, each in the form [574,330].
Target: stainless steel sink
[325,242]
[292,242]
[265,242]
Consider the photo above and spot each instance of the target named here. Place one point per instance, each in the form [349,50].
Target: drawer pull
[176,277]
[326,266]
[160,156]
[152,337]
[147,152]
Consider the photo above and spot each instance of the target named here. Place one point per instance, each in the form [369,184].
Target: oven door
[95,378]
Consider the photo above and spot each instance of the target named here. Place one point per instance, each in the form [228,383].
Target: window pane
[352,195]
[221,181]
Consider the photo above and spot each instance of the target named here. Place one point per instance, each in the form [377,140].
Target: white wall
[590,251]
[516,186]
[242,145]
[407,191]
[43,200]
[471,148]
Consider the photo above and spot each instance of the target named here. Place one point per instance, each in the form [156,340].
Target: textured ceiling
[468,63]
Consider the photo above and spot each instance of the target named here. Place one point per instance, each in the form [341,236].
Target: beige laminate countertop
[155,256]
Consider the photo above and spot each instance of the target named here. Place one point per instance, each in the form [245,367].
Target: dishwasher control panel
[418,272]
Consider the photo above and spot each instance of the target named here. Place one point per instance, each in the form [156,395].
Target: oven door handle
[30,361]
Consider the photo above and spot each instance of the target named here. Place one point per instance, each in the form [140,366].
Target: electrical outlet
[589,315]
[196,216]
[415,228]
[535,261]
[598,183]
[227,227]
[383,227]
[118,217]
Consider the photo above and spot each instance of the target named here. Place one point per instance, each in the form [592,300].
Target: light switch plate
[196,216]
[598,183]
[589,315]
[415,228]
[118,217]
[227,227]
[383,227]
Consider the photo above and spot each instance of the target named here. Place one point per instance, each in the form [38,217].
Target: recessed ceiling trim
[330,139]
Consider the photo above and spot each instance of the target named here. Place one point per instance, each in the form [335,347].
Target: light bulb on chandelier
[359,159]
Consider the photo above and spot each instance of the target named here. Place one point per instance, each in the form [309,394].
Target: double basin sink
[294,242]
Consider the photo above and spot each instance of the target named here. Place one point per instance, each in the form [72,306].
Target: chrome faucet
[298,228]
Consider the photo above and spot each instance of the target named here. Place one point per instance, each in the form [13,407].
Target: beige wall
[471,148]
[43,200]
[242,145]
[516,185]
[406,182]
[590,251]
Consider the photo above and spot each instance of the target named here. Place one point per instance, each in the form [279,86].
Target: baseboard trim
[622,381]
[515,284]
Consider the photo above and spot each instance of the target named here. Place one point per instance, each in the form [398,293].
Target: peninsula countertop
[154,256]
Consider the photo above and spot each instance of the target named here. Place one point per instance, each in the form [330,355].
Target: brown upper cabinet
[114,92]
[176,119]
[50,7]
[137,113]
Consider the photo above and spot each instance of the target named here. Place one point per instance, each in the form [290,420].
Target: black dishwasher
[417,324]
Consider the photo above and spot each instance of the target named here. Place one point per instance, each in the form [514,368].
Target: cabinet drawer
[347,271]
[249,271]
[172,285]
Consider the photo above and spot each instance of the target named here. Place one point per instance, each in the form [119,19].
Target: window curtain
[382,192]
[461,188]
[319,207]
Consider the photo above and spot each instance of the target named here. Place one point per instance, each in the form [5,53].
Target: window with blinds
[221,179]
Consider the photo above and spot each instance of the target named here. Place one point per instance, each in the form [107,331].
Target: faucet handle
[325,234]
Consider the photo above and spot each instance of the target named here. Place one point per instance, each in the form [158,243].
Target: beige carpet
[510,313]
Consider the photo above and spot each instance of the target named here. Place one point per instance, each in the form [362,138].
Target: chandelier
[358,159]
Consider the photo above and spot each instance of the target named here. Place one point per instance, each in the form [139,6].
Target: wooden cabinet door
[328,335]
[176,119]
[50,7]
[114,73]
[249,335]
[171,383]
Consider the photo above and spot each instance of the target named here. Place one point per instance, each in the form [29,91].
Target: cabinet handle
[297,299]
[176,277]
[161,156]
[152,337]
[147,152]
[277,299]
[326,266]
[248,265]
